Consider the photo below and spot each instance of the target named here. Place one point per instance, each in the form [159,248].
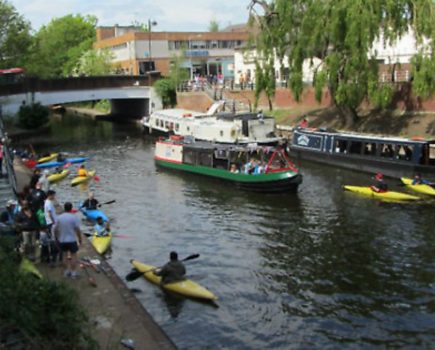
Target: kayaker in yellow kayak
[418,180]
[173,271]
[380,186]
[102,228]
[82,171]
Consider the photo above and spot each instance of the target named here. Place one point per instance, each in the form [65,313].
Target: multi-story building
[205,53]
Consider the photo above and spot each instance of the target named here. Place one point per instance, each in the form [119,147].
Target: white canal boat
[213,126]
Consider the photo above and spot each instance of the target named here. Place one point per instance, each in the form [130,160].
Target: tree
[341,34]
[95,62]
[213,26]
[15,38]
[60,44]
[32,116]
[166,88]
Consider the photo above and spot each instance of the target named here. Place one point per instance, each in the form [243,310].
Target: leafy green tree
[95,62]
[60,45]
[341,34]
[15,37]
[32,116]
[166,88]
[213,26]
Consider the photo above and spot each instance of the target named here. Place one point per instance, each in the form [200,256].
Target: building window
[221,133]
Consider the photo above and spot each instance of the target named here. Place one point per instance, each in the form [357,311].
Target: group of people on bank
[36,219]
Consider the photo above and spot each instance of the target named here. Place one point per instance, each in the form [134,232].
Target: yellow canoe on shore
[47,158]
[83,179]
[56,177]
[186,287]
[388,195]
[425,189]
[101,243]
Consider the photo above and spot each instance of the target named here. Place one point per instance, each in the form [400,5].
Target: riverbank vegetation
[32,116]
[336,39]
[37,313]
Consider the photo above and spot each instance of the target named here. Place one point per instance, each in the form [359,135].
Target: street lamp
[150,25]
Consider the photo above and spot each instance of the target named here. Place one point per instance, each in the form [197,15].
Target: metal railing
[8,159]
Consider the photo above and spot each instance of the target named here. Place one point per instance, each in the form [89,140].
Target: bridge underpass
[129,96]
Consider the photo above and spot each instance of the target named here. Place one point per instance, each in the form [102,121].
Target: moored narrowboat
[251,167]
[394,157]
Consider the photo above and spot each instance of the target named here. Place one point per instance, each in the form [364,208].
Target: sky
[170,15]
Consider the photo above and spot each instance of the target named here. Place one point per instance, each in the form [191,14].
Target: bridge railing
[30,84]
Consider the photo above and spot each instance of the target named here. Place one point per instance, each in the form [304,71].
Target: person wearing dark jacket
[27,224]
[173,271]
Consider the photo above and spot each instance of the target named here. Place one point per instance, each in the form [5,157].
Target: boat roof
[204,145]
[364,136]
[176,113]
[239,116]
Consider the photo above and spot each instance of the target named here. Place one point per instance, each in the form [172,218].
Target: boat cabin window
[205,159]
[189,157]
[177,126]
[221,133]
[166,124]
[405,152]
[157,122]
[221,159]
[387,150]
[161,123]
[355,147]
[431,155]
[188,128]
[370,149]
[341,146]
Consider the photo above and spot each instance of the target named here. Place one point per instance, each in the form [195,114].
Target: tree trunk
[270,103]
[349,116]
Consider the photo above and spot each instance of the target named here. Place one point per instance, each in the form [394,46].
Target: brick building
[136,51]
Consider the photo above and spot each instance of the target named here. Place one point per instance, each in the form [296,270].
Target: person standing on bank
[67,232]
[27,223]
[173,271]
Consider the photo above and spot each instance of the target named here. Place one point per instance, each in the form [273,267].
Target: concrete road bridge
[129,96]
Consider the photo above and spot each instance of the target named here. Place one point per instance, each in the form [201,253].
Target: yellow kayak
[186,287]
[58,176]
[389,195]
[101,243]
[27,266]
[83,179]
[52,156]
[425,189]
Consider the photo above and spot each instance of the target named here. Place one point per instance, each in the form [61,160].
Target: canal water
[314,270]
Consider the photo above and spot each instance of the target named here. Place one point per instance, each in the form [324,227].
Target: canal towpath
[115,313]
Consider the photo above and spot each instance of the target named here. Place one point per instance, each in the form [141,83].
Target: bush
[46,314]
[165,89]
[32,116]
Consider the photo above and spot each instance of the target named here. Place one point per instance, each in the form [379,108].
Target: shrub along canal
[320,268]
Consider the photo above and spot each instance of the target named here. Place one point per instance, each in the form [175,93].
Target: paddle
[109,202]
[135,274]
[117,235]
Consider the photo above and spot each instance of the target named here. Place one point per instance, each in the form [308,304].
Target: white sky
[171,15]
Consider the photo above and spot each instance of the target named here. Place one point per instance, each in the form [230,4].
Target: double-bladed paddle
[109,202]
[116,235]
[135,274]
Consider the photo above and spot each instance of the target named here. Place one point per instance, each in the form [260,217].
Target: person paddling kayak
[418,180]
[380,186]
[173,271]
[82,171]
[102,228]
[91,203]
